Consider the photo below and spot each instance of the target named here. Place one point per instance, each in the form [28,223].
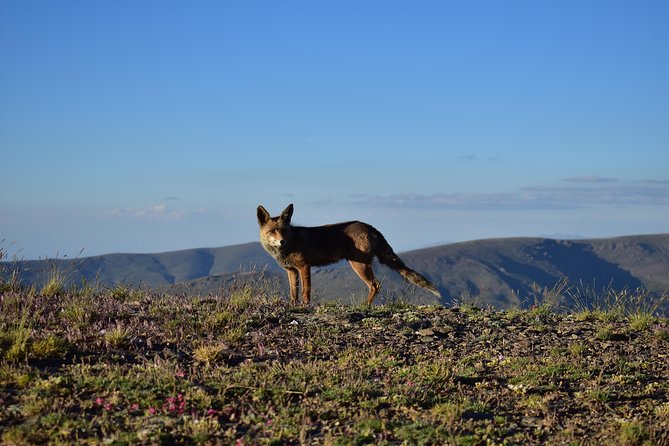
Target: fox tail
[387,256]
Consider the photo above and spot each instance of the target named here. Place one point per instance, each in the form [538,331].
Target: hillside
[504,272]
[500,271]
[132,367]
[147,270]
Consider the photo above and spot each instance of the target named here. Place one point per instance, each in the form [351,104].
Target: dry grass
[125,367]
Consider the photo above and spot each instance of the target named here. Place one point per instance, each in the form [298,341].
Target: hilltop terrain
[134,367]
[503,273]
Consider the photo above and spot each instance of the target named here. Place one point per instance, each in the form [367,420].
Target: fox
[297,249]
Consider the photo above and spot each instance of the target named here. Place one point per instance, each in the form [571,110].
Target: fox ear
[287,213]
[263,215]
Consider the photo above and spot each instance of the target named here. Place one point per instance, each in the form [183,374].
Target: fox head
[274,231]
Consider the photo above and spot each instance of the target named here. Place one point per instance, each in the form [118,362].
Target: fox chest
[283,258]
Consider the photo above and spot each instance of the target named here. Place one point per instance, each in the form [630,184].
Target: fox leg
[305,275]
[366,273]
[292,281]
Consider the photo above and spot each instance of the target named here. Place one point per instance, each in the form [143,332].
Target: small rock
[425,332]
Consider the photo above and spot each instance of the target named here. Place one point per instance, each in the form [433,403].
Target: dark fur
[297,249]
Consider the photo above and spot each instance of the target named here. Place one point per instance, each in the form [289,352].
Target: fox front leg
[292,282]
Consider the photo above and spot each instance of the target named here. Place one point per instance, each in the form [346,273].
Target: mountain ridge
[502,272]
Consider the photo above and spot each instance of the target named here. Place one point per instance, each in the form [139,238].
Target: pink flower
[134,406]
[175,404]
[181,374]
[152,410]
[212,412]
[99,401]
[108,406]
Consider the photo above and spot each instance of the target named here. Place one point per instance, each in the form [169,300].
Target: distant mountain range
[501,272]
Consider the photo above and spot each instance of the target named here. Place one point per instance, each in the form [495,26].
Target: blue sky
[144,126]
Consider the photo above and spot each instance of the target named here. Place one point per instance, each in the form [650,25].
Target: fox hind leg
[305,276]
[366,273]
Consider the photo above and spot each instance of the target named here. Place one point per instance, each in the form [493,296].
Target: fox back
[315,246]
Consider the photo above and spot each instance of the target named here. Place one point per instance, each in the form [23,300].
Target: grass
[611,305]
[122,366]
[55,283]
[208,353]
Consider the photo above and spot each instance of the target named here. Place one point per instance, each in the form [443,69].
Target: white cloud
[467,157]
[488,201]
[656,182]
[590,194]
[157,211]
[590,179]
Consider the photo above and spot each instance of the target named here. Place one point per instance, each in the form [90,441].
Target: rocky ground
[128,367]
